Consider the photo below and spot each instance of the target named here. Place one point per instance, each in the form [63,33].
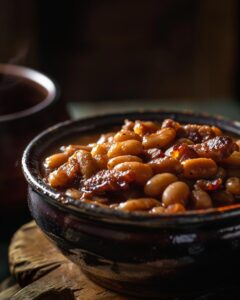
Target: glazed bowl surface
[137,254]
[28,102]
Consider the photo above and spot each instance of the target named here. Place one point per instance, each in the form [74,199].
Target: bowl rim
[87,210]
[38,78]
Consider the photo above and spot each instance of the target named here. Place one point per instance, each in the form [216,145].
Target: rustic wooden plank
[8,293]
[8,288]
[44,273]
[8,282]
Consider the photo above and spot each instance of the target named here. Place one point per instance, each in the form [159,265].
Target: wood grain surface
[43,272]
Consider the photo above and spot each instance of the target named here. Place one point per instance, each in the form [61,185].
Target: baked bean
[106,138]
[59,178]
[233,161]
[160,139]
[221,198]
[156,185]
[124,135]
[199,168]
[165,165]
[55,160]
[120,159]
[99,153]
[87,164]
[71,149]
[101,160]
[130,147]
[176,192]
[128,125]
[73,193]
[100,149]
[157,210]
[233,185]
[142,171]
[65,174]
[139,204]
[171,123]
[144,127]
[201,199]
[175,208]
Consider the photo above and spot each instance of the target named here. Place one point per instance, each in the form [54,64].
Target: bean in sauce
[150,167]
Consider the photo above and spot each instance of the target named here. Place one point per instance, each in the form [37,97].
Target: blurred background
[181,54]
[115,50]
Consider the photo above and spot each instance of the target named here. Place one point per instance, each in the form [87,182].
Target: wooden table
[40,272]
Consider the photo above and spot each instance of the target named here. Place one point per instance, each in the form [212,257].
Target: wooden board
[44,273]
[8,288]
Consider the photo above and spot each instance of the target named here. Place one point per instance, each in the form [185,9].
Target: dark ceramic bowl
[143,255]
[28,104]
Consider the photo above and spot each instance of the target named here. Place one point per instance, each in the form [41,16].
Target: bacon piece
[145,127]
[153,153]
[217,148]
[183,152]
[108,181]
[197,133]
[65,174]
[169,123]
[208,185]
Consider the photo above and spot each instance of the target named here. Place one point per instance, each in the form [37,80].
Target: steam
[15,94]
[7,82]
[20,57]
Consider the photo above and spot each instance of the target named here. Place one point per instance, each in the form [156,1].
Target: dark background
[117,50]
[100,50]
